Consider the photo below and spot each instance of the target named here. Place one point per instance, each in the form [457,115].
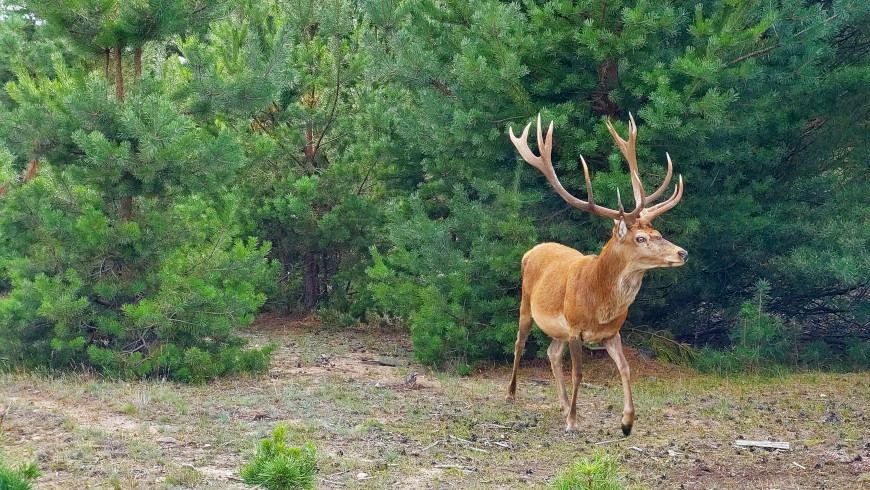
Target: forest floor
[343,389]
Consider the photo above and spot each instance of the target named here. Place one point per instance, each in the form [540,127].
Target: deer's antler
[544,163]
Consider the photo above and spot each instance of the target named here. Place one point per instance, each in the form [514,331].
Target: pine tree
[291,76]
[451,267]
[151,289]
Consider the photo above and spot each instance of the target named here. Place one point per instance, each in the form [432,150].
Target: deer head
[632,236]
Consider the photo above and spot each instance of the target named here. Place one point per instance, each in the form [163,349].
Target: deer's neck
[617,283]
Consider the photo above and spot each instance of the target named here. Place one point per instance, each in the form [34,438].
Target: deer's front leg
[614,348]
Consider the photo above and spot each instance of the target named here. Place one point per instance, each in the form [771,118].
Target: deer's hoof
[570,424]
[626,429]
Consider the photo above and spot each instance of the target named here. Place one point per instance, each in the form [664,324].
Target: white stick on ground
[766,444]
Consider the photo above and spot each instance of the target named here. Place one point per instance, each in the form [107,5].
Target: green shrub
[157,297]
[20,478]
[455,278]
[600,472]
[761,343]
[278,467]
[858,353]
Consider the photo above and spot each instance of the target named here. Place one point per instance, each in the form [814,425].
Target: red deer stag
[576,298]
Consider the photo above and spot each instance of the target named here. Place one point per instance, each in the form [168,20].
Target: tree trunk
[608,77]
[126,200]
[126,208]
[310,280]
[137,63]
[310,150]
[119,75]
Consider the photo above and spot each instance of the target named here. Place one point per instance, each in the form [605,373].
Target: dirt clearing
[346,391]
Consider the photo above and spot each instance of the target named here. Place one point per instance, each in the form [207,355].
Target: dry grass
[343,390]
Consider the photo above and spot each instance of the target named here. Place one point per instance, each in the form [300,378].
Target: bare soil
[344,390]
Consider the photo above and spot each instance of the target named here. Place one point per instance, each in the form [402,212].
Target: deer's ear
[621,228]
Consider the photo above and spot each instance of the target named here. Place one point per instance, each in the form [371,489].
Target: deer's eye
[640,239]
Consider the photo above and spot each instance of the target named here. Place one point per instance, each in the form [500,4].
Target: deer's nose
[683,255]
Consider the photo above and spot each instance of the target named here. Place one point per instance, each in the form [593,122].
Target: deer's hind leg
[554,352]
[576,348]
[522,335]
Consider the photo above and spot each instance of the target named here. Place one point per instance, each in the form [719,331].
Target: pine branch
[334,100]
[442,88]
[275,61]
[751,55]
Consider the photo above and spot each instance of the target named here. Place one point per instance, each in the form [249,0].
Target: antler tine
[544,163]
[522,146]
[649,213]
[628,151]
[655,195]
[588,181]
[545,147]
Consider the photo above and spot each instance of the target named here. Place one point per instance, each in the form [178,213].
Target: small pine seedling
[278,467]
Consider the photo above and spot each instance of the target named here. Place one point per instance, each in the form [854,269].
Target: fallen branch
[799,465]
[453,467]
[430,446]
[379,362]
[460,439]
[469,444]
[764,444]
[612,440]
[327,480]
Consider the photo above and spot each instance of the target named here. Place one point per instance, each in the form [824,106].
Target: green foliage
[600,472]
[762,343]
[24,44]
[741,95]
[448,276]
[364,146]
[95,25]
[125,252]
[761,339]
[316,135]
[19,478]
[276,466]
[158,297]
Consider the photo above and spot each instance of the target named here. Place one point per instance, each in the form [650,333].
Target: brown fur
[577,298]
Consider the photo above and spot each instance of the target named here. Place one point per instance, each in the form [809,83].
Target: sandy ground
[344,390]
